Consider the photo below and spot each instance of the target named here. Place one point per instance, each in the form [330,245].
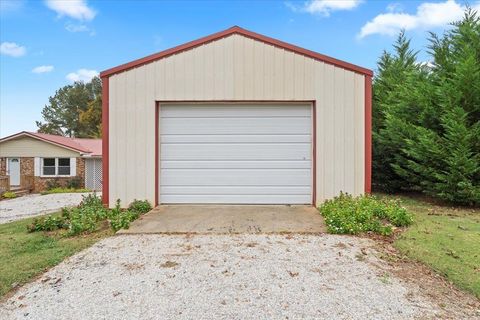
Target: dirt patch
[453,303]
[133,266]
[169,264]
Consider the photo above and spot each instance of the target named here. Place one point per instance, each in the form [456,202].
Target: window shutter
[37,168]
[73,167]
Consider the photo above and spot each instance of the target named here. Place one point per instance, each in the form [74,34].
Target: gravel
[35,204]
[221,277]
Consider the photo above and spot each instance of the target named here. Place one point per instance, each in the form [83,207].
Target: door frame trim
[7,168]
[158,104]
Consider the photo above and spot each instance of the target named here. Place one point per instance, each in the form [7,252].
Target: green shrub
[53,184]
[140,206]
[50,223]
[120,219]
[9,195]
[74,183]
[353,215]
[90,215]
[91,200]
[123,219]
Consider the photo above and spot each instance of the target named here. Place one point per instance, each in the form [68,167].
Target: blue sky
[48,44]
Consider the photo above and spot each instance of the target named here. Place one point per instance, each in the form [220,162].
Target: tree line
[426,116]
[74,111]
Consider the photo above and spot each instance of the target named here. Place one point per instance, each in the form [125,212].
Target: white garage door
[250,154]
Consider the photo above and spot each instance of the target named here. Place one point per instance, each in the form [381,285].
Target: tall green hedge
[427,116]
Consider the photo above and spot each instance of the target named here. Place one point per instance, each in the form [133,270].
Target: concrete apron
[226,219]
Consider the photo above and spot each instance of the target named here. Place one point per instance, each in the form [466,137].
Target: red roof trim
[246,33]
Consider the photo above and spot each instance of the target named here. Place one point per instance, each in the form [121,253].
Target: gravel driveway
[222,277]
[36,204]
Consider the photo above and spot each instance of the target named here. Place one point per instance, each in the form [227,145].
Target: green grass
[445,238]
[64,190]
[25,255]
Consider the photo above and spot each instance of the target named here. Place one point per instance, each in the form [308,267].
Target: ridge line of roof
[225,33]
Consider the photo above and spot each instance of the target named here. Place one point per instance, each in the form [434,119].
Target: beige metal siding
[30,147]
[236,68]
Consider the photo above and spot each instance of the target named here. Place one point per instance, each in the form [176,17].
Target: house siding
[236,68]
[30,147]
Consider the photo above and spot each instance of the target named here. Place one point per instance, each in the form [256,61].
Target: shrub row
[8,195]
[64,190]
[346,214]
[90,215]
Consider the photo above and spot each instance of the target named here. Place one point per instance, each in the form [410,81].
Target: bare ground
[237,277]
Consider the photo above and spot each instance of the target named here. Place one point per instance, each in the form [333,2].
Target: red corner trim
[105,142]
[246,33]
[368,134]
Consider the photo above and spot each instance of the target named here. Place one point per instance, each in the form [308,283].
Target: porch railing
[4,183]
[27,182]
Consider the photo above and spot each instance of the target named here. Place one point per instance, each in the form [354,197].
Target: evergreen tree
[392,89]
[445,158]
[427,130]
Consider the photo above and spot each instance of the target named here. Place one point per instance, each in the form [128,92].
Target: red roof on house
[91,147]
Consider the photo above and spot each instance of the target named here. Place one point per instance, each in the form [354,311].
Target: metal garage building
[236,117]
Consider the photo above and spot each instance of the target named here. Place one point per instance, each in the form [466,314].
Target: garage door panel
[235,190]
[235,111]
[238,199]
[235,138]
[235,164]
[267,125]
[235,177]
[235,154]
[198,151]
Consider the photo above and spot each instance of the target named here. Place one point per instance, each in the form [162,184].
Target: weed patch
[64,190]
[89,216]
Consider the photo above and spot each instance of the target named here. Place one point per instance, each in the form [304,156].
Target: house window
[56,166]
[48,167]
[63,167]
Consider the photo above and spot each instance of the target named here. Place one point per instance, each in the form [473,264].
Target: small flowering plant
[346,214]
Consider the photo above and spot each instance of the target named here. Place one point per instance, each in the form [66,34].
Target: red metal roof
[243,32]
[91,147]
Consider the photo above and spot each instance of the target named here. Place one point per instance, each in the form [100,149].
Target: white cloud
[325,7]
[42,69]
[428,15]
[76,9]
[76,27]
[84,75]
[12,49]
[70,27]
[394,7]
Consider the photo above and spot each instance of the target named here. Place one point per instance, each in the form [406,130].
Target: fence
[4,183]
